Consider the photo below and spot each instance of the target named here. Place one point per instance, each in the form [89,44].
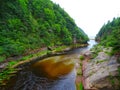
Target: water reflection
[54,73]
[53,67]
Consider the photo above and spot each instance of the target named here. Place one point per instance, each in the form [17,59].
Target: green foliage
[109,35]
[11,63]
[82,57]
[6,75]
[95,50]
[79,72]
[2,58]
[60,48]
[118,59]
[100,61]
[119,71]
[81,86]
[30,24]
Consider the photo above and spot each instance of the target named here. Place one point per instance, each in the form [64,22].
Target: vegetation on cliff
[109,35]
[31,24]
[28,27]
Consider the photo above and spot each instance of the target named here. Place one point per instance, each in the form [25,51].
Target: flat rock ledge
[100,73]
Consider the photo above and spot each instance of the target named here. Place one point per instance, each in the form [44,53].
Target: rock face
[100,73]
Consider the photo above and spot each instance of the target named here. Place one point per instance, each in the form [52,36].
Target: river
[53,73]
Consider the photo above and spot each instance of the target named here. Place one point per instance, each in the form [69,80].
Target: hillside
[109,35]
[31,24]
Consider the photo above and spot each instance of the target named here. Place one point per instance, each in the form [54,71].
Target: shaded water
[53,73]
[29,81]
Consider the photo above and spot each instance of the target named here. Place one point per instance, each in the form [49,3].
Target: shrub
[82,57]
[2,58]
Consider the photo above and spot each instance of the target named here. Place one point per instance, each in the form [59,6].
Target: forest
[39,36]
[109,35]
[31,24]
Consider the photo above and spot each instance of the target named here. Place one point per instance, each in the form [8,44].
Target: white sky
[90,15]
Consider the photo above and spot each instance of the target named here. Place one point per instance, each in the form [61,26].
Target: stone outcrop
[100,73]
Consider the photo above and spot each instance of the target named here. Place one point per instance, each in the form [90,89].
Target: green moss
[79,86]
[95,50]
[79,71]
[82,57]
[119,71]
[94,55]
[60,48]
[81,64]
[6,75]
[100,61]
[11,63]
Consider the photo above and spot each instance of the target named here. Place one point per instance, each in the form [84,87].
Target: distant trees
[109,34]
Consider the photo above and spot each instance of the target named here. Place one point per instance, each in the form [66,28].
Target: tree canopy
[109,34]
[31,24]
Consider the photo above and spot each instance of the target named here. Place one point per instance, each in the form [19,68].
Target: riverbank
[10,67]
[81,84]
[100,70]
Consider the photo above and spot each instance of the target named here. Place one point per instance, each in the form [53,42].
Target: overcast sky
[90,15]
